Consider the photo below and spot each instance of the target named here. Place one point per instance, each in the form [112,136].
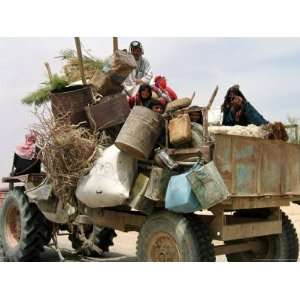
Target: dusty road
[124,248]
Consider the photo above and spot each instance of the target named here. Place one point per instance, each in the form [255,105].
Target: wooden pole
[115,44]
[212,98]
[48,71]
[205,123]
[79,54]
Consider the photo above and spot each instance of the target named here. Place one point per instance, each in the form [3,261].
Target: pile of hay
[67,153]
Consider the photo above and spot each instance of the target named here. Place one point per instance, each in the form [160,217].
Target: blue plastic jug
[179,196]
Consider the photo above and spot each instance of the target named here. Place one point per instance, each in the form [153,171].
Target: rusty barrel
[70,102]
[140,132]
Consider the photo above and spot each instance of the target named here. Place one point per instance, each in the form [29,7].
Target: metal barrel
[71,101]
[140,132]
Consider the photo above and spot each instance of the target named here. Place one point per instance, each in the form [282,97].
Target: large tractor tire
[166,236]
[23,229]
[281,247]
[102,238]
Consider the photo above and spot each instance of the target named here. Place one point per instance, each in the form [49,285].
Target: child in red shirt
[163,91]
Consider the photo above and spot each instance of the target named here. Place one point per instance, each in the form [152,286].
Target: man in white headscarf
[142,74]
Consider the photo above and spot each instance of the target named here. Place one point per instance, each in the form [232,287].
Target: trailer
[261,175]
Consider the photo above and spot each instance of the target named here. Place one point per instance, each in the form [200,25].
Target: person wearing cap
[163,91]
[238,111]
[142,74]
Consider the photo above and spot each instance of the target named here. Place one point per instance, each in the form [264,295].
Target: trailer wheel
[23,229]
[102,237]
[167,236]
[281,247]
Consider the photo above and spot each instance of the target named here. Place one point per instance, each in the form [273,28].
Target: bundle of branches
[71,68]
[67,153]
[42,95]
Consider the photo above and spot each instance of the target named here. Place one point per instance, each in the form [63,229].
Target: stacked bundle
[114,72]
[72,65]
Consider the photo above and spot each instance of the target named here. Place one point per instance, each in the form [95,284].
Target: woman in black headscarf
[238,111]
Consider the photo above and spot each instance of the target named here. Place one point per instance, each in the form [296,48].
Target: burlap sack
[104,84]
[123,63]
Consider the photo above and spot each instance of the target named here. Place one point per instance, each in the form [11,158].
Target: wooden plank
[248,230]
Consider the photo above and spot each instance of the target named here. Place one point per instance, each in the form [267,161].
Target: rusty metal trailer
[262,176]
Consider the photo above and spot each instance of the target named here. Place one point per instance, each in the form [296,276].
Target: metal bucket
[140,132]
[70,102]
[108,112]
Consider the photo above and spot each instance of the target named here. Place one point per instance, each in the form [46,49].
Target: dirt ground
[124,249]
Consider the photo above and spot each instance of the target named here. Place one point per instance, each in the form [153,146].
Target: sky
[267,70]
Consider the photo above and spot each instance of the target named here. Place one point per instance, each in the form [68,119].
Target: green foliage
[42,94]
[37,97]
[58,82]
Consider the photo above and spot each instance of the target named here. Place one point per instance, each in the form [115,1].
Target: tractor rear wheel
[167,236]
[23,229]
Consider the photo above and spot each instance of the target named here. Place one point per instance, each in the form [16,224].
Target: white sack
[109,181]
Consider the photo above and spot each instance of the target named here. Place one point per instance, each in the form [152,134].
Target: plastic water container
[180,197]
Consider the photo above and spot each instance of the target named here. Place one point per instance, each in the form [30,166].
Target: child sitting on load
[144,97]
